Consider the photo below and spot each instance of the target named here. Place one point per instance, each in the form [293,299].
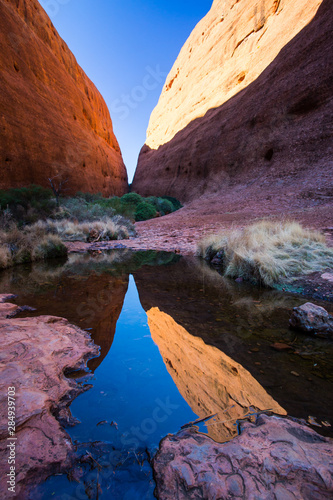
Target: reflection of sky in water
[133,389]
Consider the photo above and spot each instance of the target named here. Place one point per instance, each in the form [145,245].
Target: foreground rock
[53,119]
[272,459]
[9,310]
[312,319]
[34,354]
[244,116]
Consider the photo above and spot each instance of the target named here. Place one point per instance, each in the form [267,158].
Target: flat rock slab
[272,459]
[35,352]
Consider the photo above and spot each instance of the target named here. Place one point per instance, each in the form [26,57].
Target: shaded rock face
[272,459]
[209,380]
[34,354]
[247,105]
[310,318]
[53,120]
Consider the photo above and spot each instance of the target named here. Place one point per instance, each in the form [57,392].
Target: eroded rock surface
[245,114]
[53,120]
[34,354]
[312,319]
[273,458]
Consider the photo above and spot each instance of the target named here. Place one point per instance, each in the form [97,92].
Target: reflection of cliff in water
[243,322]
[87,291]
[209,380]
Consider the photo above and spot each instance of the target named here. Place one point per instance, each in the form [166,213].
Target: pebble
[279,346]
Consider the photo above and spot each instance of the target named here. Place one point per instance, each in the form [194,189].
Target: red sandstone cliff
[247,107]
[53,120]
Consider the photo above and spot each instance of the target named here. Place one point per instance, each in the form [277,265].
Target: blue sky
[127,47]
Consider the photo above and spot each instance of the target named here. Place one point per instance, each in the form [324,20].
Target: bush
[27,205]
[32,195]
[145,211]
[89,197]
[5,257]
[164,206]
[6,218]
[50,247]
[175,203]
[80,210]
[132,199]
[268,253]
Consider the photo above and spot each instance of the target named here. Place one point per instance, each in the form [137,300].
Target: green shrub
[33,195]
[28,204]
[145,211]
[132,199]
[175,203]
[81,210]
[89,197]
[164,206]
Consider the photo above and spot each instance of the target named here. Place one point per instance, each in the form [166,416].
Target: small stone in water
[279,346]
[312,421]
[295,373]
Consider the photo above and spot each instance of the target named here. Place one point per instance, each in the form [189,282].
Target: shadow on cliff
[278,127]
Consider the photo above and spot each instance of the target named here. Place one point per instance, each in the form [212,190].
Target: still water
[178,342]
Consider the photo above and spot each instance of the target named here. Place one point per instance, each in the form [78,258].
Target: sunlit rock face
[53,120]
[209,380]
[248,97]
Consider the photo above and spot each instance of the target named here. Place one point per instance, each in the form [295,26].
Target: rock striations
[53,120]
[249,98]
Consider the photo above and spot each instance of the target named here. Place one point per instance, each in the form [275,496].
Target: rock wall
[53,120]
[249,97]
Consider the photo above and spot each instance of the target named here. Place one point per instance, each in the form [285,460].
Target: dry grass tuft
[27,245]
[44,239]
[268,252]
[103,230]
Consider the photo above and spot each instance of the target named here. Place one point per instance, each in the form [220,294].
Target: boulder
[53,120]
[312,319]
[273,458]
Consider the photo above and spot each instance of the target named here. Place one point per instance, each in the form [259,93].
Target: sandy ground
[179,232]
